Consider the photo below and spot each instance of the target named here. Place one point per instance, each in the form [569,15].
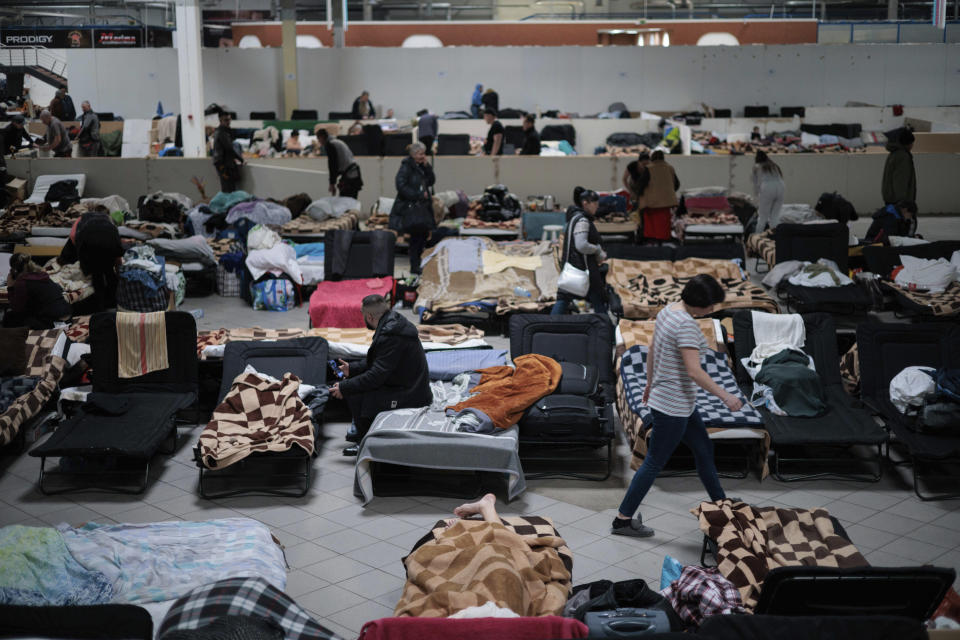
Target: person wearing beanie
[583,251]
[899,175]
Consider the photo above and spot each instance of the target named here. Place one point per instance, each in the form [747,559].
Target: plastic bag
[273,295]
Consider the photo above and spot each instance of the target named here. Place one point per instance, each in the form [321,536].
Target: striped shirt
[673,392]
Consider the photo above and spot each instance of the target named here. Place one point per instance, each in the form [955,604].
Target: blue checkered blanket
[714,413]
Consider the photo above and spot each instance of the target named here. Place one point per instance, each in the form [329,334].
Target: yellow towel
[495,262]
[141,343]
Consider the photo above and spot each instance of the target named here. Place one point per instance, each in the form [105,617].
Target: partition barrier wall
[856,176]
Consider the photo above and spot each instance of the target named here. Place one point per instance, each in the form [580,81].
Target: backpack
[940,413]
[835,207]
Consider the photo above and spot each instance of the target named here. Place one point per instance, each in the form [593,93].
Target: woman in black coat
[412,211]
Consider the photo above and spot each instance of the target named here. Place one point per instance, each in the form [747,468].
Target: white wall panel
[952,75]
[914,69]
[717,89]
[793,77]
[580,79]
[854,72]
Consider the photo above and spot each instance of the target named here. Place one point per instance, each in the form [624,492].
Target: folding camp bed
[43,183]
[849,299]
[808,242]
[356,264]
[883,260]
[455,286]
[125,420]
[709,250]
[577,419]
[884,351]
[843,427]
[285,473]
[638,290]
[737,440]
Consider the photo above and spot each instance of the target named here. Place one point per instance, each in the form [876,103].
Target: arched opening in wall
[715,38]
[250,41]
[308,42]
[422,41]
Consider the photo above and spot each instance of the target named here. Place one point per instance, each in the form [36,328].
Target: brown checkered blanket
[936,304]
[20,219]
[753,540]
[29,404]
[39,345]
[377,222]
[306,225]
[640,332]
[763,246]
[645,287]
[154,229]
[681,223]
[518,563]
[850,370]
[224,246]
[256,415]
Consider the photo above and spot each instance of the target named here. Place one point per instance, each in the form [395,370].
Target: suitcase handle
[559,406]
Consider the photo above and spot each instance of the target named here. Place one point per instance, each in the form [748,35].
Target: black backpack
[835,207]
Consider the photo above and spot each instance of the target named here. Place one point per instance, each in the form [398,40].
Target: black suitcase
[582,338]
[561,417]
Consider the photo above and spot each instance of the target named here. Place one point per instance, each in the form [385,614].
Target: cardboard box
[17,188]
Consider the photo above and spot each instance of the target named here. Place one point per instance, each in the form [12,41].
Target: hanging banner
[49,38]
[115,38]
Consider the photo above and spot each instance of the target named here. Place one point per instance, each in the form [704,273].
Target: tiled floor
[345,559]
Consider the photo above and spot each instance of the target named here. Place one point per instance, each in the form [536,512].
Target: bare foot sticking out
[485,506]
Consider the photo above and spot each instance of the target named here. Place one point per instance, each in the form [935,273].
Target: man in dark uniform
[226,158]
[395,375]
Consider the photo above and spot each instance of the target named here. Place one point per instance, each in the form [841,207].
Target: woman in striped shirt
[673,374]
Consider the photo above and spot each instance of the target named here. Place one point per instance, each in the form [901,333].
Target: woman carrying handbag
[412,211]
[581,275]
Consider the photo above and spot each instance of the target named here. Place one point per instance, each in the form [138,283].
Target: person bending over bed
[395,376]
[95,242]
[673,375]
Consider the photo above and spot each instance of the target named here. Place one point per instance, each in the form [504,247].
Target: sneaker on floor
[633,528]
[352,451]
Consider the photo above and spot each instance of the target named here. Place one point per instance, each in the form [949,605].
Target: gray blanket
[428,439]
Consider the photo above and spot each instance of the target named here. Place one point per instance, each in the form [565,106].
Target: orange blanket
[504,393]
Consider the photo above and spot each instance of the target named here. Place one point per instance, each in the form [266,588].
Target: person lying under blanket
[520,564]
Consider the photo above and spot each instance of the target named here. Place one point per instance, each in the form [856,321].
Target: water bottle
[521,292]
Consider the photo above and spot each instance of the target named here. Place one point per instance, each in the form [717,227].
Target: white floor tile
[300,583]
[373,583]
[345,541]
[329,600]
[337,569]
[355,617]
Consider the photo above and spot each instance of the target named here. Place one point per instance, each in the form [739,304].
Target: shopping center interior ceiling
[223,12]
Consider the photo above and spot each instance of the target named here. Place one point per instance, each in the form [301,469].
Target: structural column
[190,66]
[288,28]
[892,6]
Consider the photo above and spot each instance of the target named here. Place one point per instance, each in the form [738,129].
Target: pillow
[13,341]
[578,379]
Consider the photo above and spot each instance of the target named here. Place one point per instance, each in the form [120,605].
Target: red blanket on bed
[337,304]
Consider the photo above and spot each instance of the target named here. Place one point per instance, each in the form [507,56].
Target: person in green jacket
[899,176]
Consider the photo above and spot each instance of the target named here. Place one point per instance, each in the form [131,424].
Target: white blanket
[774,332]
[932,275]
[280,258]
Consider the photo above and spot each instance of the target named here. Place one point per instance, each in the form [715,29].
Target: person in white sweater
[768,188]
